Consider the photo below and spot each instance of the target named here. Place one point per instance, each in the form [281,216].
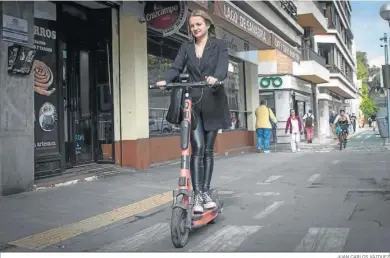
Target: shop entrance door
[79,141]
[80,146]
[87,88]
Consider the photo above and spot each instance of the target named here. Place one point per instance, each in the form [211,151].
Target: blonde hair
[206,17]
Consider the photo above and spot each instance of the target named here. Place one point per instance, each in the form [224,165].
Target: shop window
[161,54]
[235,91]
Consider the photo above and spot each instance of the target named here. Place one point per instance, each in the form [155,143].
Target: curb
[117,171]
[66,183]
[87,178]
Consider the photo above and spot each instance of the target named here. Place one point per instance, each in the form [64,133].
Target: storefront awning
[301,97]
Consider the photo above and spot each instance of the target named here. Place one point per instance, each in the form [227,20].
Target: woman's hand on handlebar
[161,83]
[211,80]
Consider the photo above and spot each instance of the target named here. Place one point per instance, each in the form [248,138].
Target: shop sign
[234,15]
[46,88]
[15,29]
[166,17]
[286,48]
[237,47]
[266,82]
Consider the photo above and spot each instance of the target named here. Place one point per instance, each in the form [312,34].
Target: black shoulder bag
[175,114]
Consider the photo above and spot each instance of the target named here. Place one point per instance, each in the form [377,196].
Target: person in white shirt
[309,125]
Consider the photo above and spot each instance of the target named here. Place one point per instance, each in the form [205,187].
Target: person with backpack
[309,125]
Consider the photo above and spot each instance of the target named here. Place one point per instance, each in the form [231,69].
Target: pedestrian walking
[294,127]
[332,117]
[265,123]
[308,119]
[353,122]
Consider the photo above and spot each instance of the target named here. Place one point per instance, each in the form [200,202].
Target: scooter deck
[202,219]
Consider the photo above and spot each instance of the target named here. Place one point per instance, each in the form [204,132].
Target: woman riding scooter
[206,59]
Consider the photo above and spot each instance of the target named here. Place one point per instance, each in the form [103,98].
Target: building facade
[94,61]
[288,79]
[337,47]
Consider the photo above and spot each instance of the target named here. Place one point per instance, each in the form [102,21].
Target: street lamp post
[384,39]
[385,14]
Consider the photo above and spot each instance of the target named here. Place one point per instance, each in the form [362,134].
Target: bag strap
[185,66]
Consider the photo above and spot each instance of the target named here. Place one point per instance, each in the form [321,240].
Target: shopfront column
[324,111]
[314,95]
[252,94]
[16,106]
[132,143]
[283,104]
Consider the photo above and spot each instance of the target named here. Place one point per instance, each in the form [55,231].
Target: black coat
[213,106]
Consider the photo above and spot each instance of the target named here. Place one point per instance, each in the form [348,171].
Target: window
[161,53]
[235,91]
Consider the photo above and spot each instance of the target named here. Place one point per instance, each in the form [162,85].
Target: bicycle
[342,137]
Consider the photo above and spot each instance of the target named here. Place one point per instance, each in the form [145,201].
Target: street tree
[368,105]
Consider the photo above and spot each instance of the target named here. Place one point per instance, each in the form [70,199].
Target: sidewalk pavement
[323,144]
[93,172]
[124,196]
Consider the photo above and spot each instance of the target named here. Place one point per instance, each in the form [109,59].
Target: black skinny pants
[202,157]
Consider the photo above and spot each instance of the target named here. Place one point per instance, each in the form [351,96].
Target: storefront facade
[73,117]
[285,92]
[94,62]
[152,139]
[61,52]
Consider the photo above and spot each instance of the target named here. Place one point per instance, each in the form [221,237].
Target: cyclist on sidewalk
[342,121]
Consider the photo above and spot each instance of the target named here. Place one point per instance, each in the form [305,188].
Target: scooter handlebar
[185,84]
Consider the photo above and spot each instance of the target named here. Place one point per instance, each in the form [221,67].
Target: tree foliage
[373,71]
[368,105]
[362,67]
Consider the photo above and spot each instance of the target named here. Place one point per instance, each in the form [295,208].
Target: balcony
[334,69]
[290,8]
[309,54]
[310,15]
[340,82]
[312,67]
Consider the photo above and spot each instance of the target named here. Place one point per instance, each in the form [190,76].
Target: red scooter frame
[183,217]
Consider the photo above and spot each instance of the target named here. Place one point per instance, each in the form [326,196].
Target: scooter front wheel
[179,233]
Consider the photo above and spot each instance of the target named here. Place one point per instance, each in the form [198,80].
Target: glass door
[88,90]
[78,108]
[104,104]
[78,112]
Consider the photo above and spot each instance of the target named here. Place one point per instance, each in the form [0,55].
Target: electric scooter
[183,218]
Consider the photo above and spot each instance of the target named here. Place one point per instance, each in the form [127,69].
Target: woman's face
[198,26]
[292,113]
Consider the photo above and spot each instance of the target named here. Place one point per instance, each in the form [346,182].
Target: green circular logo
[268,81]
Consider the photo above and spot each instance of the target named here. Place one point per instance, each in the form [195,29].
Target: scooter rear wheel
[179,234]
